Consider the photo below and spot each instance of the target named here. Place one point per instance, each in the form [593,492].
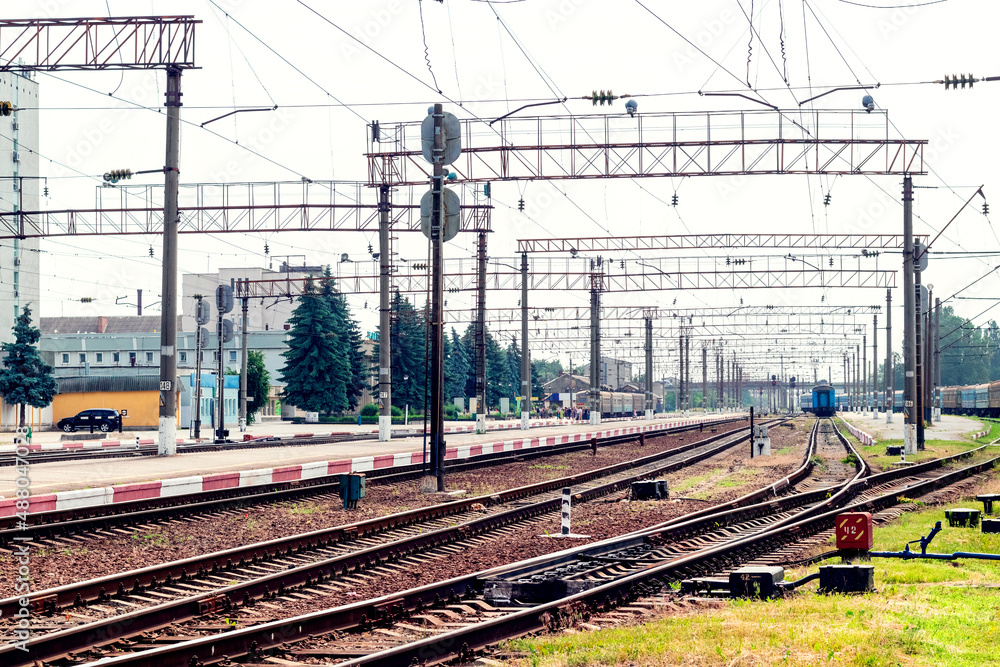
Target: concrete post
[385,320]
[909,340]
[167,442]
[525,358]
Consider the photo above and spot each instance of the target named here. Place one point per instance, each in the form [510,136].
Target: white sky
[580,45]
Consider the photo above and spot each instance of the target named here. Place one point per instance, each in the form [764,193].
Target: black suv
[101,419]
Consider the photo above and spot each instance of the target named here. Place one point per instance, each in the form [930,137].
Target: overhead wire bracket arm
[526,106]
[834,90]
[979,191]
[746,97]
[226,115]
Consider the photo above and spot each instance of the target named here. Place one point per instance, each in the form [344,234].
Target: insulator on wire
[986,208]
[520,204]
[150,251]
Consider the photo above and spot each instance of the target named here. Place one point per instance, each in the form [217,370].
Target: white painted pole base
[525,416]
[595,418]
[909,438]
[167,445]
[384,428]
[937,414]
[649,415]
[888,417]
[480,423]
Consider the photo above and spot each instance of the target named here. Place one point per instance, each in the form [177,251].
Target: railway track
[138,601]
[125,515]
[612,581]
[132,451]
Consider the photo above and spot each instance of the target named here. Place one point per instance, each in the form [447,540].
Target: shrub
[450,411]
[370,410]
[396,412]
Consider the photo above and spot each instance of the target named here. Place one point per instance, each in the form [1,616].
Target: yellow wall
[143,406]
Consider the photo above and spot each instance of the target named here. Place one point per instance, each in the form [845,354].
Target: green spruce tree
[25,379]
[317,367]
[456,368]
[350,337]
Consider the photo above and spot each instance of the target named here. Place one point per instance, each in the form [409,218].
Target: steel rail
[59,643]
[461,642]
[153,509]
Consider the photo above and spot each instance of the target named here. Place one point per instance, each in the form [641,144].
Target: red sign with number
[854,531]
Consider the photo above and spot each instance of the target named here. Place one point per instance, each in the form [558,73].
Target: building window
[149,357]
[116,357]
[131,358]
[184,357]
[65,358]
[215,356]
[232,355]
[100,357]
[83,357]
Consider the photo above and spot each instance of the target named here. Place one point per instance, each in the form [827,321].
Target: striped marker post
[566,510]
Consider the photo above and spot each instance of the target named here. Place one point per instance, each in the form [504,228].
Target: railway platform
[268,464]
[951,427]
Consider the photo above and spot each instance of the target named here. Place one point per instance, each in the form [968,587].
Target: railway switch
[855,531]
[650,489]
[352,489]
[846,578]
[962,517]
[756,581]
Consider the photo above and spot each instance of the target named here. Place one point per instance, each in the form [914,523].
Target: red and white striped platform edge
[866,438]
[980,434]
[106,444]
[179,486]
[86,444]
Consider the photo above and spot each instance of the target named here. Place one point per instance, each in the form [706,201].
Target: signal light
[6,108]
[116,175]
[486,190]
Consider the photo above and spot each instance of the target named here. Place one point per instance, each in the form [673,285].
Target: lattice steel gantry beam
[132,42]
[710,143]
[568,313]
[216,208]
[696,241]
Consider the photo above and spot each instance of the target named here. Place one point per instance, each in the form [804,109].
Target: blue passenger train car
[824,401]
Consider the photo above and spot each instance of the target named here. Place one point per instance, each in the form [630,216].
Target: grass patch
[923,613]
[156,539]
[994,427]
[304,508]
[690,482]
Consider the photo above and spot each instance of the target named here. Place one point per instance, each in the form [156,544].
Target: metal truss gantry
[710,143]
[133,42]
[613,313]
[697,241]
[216,208]
[660,274]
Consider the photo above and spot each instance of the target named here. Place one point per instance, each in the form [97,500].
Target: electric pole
[909,339]
[167,445]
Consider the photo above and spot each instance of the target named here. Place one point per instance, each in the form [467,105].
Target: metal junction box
[756,581]
[352,489]
[991,525]
[855,531]
[650,489]
[846,578]
[963,517]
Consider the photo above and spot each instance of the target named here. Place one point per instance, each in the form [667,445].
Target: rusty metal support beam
[876,242]
[114,43]
[711,143]
[216,208]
